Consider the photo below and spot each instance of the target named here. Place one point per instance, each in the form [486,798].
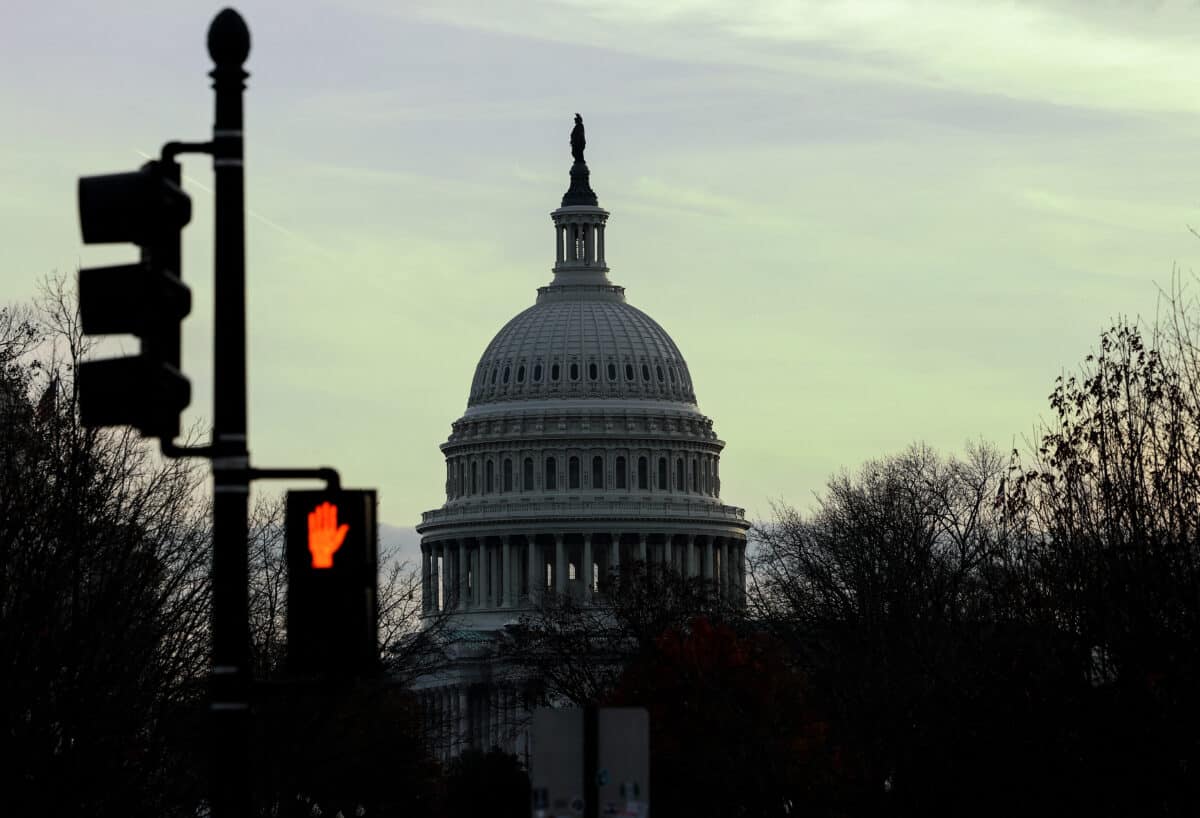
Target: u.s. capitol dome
[582,452]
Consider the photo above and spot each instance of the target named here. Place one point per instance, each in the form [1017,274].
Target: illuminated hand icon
[325,536]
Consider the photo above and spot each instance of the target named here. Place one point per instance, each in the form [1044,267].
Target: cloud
[1114,56]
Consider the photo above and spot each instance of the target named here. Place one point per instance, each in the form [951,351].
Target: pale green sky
[864,223]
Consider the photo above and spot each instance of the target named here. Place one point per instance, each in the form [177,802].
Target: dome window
[554,372]
[612,371]
[505,378]
[659,373]
[574,371]
[629,372]
[537,373]
[671,372]
[507,474]
[573,473]
[489,484]
[662,473]
[679,474]
[597,472]
[645,374]
[551,474]
[527,475]
[643,474]
[620,473]
[521,374]
[495,372]
[695,476]
[593,372]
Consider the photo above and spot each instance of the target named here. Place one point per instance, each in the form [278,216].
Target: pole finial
[228,39]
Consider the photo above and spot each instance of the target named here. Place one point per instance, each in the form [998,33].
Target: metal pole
[229,45]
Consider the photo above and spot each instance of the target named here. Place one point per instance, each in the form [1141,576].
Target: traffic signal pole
[229,45]
[148,208]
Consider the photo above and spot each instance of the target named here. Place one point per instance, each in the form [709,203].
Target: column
[532,578]
[709,547]
[600,244]
[497,579]
[440,578]
[689,556]
[439,717]
[740,594]
[507,573]
[464,722]
[560,564]
[436,578]
[589,243]
[642,547]
[559,231]
[463,566]
[614,558]
[448,575]
[424,577]
[483,576]
[587,568]
[726,571]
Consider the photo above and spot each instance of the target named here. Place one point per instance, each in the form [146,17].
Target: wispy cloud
[1124,55]
[274,225]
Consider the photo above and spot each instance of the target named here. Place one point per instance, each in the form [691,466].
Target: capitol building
[582,453]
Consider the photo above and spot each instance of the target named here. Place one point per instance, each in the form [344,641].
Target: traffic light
[332,552]
[146,207]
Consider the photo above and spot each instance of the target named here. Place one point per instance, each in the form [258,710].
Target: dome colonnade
[508,571]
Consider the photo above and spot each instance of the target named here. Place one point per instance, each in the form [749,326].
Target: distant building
[582,450]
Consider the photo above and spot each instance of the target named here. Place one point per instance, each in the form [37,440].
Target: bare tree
[577,653]
[103,592]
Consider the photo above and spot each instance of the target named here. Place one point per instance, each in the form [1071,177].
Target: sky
[864,223]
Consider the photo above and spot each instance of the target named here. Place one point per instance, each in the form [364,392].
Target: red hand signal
[325,536]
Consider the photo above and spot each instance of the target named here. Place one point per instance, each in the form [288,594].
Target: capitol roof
[581,339]
[581,343]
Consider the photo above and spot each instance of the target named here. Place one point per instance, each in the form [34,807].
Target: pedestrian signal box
[332,554]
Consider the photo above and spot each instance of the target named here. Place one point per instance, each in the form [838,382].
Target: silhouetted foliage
[342,748]
[732,732]
[577,653]
[991,637]
[893,595]
[492,784]
[105,613]
[103,594]
[1111,503]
